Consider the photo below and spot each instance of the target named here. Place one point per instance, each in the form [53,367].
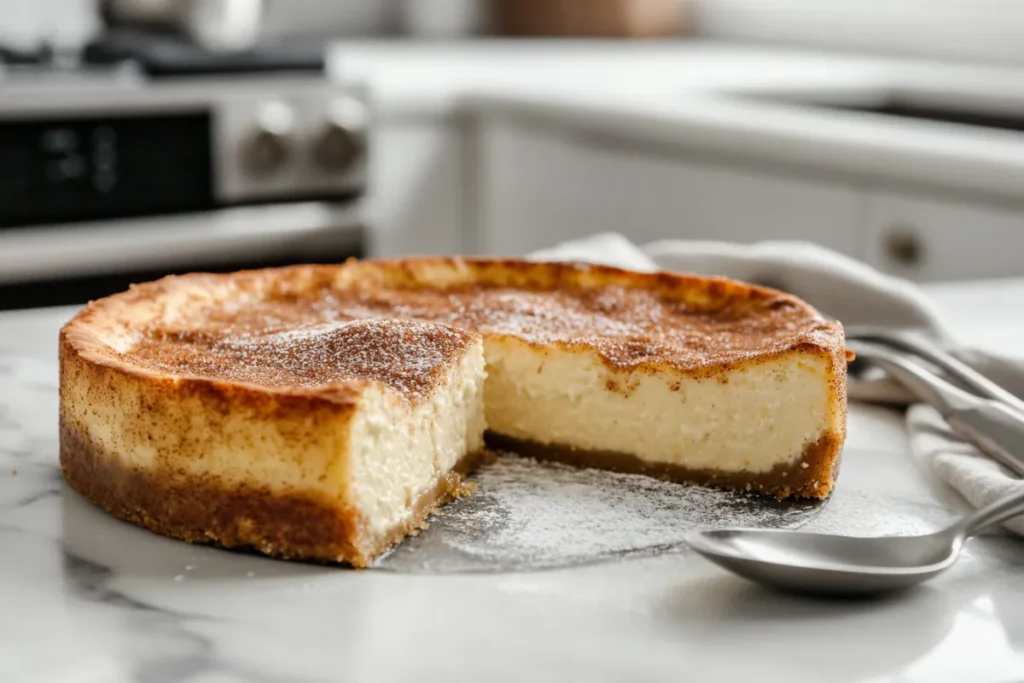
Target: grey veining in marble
[84,598]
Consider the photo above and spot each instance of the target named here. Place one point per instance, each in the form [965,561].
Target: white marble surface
[84,598]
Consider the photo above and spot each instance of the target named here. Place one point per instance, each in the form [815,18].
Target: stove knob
[342,139]
[268,147]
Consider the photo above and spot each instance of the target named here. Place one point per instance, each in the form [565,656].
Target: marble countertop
[696,94]
[85,598]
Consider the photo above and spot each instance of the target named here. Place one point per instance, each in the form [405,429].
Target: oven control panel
[125,150]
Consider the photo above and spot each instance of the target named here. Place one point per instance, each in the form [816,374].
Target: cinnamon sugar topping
[408,356]
[403,322]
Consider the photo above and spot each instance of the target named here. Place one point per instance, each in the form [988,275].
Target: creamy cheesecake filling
[753,419]
[378,456]
[330,481]
[200,439]
[398,452]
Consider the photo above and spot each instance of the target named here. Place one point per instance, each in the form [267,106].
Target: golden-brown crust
[810,476]
[302,526]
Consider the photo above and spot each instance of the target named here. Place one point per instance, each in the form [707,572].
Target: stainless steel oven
[108,176]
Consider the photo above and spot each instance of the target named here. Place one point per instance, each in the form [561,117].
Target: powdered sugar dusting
[408,356]
[629,322]
[627,326]
[533,515]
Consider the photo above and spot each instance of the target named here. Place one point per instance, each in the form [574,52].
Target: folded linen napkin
[855,294]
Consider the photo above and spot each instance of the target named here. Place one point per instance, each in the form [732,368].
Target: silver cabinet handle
[904,245]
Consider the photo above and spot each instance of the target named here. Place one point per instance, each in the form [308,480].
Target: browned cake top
[408,355]
[404,322]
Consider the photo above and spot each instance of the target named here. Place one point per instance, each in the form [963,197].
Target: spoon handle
[999,511]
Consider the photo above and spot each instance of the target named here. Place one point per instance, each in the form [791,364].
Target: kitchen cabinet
[504,185]
[928,239]
[541,184]
[416,202]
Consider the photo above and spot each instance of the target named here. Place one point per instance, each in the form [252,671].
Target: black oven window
[71,170]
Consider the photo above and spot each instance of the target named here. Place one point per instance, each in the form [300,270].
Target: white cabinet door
[415,202]
[541,186]
[928,239]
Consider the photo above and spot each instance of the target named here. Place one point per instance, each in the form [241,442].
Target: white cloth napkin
[855,294]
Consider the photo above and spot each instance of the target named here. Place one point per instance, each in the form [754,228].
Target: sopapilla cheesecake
[322,412]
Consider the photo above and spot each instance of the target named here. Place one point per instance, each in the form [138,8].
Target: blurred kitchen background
[146,137]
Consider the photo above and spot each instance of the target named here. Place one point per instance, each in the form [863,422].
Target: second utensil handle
[995,429]
[936,355]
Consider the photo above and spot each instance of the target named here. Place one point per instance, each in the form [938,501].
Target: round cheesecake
[322,412]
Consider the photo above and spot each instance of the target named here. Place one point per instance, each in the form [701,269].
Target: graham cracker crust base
[812,476]
[289,526]
[314,527]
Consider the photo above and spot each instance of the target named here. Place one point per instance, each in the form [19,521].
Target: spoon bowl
[828,565]
[845,566]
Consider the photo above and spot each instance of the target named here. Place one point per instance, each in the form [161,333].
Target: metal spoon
[845,566]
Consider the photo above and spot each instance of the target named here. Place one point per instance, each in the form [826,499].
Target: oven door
[75,263]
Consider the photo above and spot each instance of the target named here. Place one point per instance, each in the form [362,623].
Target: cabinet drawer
[543,185]
[928,239]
